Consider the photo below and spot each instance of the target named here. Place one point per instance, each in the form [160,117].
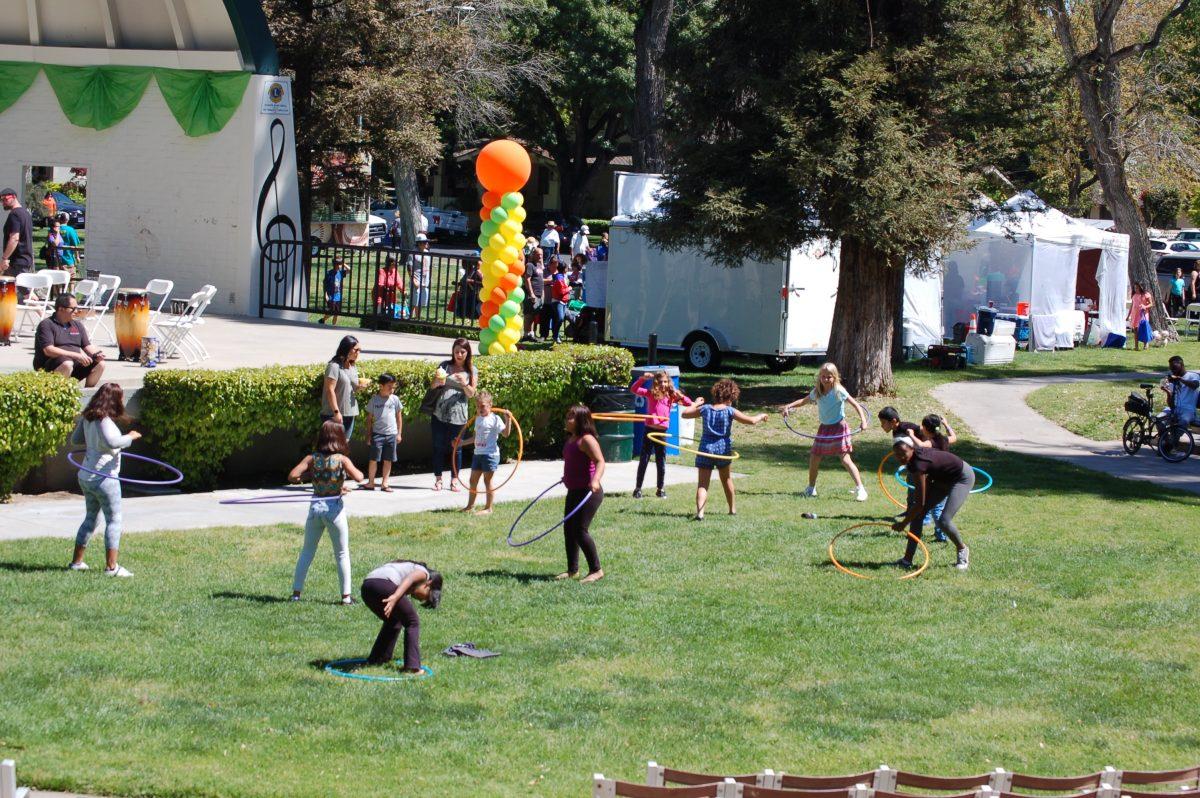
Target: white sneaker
[118,571]
[860,494]
[810,492]
[963,561]
[78,566]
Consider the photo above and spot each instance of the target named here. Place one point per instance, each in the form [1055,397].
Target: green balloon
[512,199]
[496,323]
[489,228]
[482,241]
[487,337]
[509,309]
[517,295]
[499,215]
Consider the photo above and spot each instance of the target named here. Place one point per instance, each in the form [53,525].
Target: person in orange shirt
[51,205]
[387,282]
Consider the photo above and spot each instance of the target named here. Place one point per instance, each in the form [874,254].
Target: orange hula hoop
[883,486]
[661,437]
[629,417]
[454,471]
[856,574]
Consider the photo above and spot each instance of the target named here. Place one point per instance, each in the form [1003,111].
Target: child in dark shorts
[386,424]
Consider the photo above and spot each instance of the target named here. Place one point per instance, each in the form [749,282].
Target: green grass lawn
[730,644]
[1094,410]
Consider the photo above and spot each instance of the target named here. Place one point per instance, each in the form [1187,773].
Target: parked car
[1191,234]
[1184,246]
[332,230]
[440,220]
[1158,245]
[76,211]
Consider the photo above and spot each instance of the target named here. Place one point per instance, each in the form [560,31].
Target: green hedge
[197,419]
[39,414]
[596,227]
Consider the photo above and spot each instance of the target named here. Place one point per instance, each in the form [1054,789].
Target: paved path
[997,413]
[59,517]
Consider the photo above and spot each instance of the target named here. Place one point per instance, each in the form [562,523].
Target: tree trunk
[408,202]
[868,301]
[650,44]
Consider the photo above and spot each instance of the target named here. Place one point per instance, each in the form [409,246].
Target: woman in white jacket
[98,429]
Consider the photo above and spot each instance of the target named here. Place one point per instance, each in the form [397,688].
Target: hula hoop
[661,437]
[850,434]
[902,481]
[280,498]
[630,417]
[883,486]
[454,469]
[528,507]
[336,666]
[845,570]
[161,483]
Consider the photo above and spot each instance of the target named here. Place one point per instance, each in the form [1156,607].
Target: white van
[779,310]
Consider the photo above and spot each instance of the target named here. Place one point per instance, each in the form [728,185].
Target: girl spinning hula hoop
[659,396]
[490,423]
[833,435]
[716,441]
[583,470]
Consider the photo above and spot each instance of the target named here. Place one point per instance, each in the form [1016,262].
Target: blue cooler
[639,406]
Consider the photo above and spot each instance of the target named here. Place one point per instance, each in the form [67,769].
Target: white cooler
[989,349]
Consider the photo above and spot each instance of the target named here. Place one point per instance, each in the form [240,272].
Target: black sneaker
[662,494]
[903,563]
[637,493]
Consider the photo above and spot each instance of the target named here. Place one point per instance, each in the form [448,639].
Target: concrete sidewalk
[996,412]
[58,517]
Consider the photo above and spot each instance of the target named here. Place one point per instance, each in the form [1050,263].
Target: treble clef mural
[278,236]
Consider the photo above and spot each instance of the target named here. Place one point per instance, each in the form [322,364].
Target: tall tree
[871,124]
[650,45]
[582,112]
[1094,59]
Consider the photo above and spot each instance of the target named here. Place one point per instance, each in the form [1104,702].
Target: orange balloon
[518,268]
[484,318]
[509,281]
[499,296]
[485,213]
[503,166]
[492,198]
[489,309]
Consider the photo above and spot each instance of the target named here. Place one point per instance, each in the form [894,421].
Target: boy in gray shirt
[386,422]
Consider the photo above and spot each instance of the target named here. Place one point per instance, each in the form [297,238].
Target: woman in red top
[387,283]
[583,468]
[1139,315]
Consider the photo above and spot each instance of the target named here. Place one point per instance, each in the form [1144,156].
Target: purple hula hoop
[529,507]
[280,498]
[850,434]
[160,483]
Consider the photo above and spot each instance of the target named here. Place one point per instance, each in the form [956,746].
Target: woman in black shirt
[935,476]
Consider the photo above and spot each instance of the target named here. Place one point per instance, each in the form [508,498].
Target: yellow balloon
[508,336]
[510,349]
[508,256]
[511,228]
[488,287]
[517,241]
[515,323]
[488,254]
[496,348]
[517,214]
[496,269]
[497,241]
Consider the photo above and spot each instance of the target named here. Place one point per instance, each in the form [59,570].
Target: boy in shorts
[386,423]
[488,429]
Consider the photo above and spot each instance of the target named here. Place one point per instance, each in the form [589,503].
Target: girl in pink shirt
[1139,315]
[661,394]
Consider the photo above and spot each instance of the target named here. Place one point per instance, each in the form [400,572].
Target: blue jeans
[347,424]
[327,514]
[443,435]
[100,494]
[558,311]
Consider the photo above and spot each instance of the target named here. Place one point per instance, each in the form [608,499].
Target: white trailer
[779,309]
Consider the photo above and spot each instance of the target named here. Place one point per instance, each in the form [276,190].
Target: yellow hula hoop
[660,437]
[630,417]
[856,574]
[454,471]
[883,486]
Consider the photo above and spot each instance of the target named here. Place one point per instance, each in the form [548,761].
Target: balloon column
[503,168]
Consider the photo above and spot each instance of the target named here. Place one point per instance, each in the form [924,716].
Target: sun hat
[422,237]
[584,229]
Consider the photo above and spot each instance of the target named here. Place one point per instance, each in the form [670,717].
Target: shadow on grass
[24,568]
[516,576]
[259,598]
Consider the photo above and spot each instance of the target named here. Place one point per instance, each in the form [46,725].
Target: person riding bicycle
[1181,387]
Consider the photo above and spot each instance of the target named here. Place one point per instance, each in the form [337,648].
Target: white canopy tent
[1026,252]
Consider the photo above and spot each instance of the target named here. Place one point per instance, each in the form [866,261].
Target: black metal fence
[387,287]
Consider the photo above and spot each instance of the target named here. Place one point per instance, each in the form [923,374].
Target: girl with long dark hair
[388,591]
[338,402]
[460,380]
[97,428]
[583,470]
[328,464]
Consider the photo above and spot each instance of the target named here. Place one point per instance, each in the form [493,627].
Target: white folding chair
[105,295]
[1191,317]
[8,781]
[161,288]
[36,303]
[191,339]
[59,278]
[173,329]
[85,291]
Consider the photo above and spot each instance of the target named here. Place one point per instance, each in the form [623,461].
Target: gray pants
[955,494]
[100,494]
[325,515]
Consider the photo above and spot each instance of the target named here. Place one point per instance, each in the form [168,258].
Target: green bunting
[202,102]
[97,97]
[15,78]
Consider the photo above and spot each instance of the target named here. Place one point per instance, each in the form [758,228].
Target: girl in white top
[387,591]
[102,490]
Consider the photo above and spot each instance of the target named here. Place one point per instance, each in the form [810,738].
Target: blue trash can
[639,428]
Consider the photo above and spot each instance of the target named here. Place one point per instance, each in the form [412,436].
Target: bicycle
[1144,427]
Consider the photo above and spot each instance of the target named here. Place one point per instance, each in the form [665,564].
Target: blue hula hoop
[978,470]
[336,667]
[528,507]
[159,483]
[849,434]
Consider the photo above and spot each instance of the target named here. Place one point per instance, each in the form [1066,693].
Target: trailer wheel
[701,352]
[780,364]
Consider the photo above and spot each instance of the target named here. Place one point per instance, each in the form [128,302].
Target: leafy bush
[596,227]
[197,419]
[39,412]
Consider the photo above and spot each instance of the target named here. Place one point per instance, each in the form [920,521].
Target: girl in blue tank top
[717,439]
